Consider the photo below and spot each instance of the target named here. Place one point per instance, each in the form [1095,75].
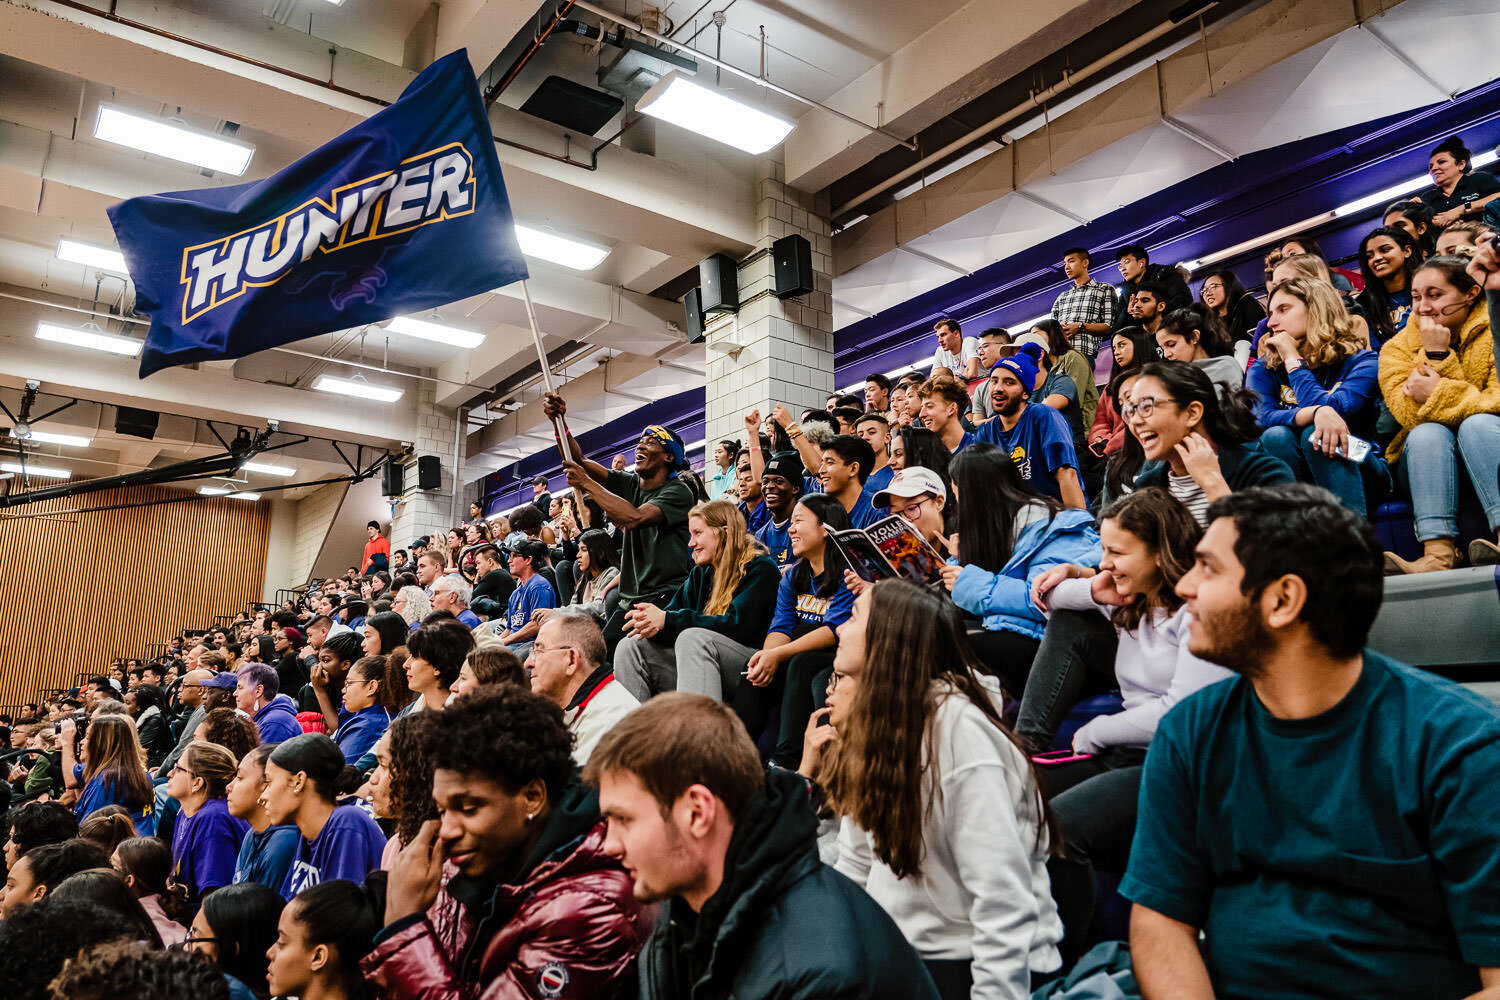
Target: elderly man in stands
[452,593]
[189,694]
[255,694]
[568,667]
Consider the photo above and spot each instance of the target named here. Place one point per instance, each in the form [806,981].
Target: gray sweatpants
[701,662]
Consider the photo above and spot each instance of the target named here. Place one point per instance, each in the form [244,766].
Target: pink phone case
[1060,757]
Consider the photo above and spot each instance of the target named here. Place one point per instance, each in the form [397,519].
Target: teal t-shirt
[1353,853]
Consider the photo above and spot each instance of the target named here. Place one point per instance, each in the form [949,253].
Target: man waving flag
[403,213]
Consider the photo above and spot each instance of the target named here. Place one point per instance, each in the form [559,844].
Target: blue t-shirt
[528,597]
[1350,853]
[360,731]
[877,481]
[349,846]
[863,513]
[1040,444]
[1060,383]
[469,618]
[265,857]
[964,441]
[800,611]
[100,792]
[755,518]
[778,540]
[204,847]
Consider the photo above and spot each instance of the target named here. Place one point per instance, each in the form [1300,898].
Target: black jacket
[496,584]
[783,925]
[1178,294]
[1241,465]
[156,738]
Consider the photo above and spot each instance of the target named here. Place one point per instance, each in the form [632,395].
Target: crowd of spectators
[657,737]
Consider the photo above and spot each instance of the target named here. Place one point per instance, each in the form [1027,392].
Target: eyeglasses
[833,680]
[351,679]
[1213,286]
[179,769]
[187,942]
[537,647]
[1142,407]
[912,511]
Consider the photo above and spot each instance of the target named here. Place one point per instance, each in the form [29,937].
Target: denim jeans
[1339,476]
[1429,466]
[1077,651]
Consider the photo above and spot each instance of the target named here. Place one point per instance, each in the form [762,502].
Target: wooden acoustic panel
[86,579]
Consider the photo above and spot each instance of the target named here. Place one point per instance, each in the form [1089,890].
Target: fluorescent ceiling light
[244,496]
[42,471]
[91,256]
[549,246]
[440,332]
[932,177]
[223,491]
[89,336]
[358,388]
[51,437]
[151,134]
[713,113]
[267,469]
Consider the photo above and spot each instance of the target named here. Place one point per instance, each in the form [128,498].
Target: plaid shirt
[1091,302]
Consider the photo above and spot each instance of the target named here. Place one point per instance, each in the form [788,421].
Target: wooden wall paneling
[79,587]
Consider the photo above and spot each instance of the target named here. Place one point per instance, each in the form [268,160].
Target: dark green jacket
[783,925]
[750,609]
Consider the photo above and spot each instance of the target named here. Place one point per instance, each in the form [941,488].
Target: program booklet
[891,548]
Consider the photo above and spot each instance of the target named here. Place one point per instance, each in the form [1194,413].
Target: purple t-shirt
[204,848]
[348,846]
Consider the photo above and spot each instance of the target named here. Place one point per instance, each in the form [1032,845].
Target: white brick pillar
[428,512]
[774,350]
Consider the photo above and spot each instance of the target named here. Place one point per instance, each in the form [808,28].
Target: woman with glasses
[365,713]
[1222,294]
[233,931]
[206,837]
[1123,626]
[1201,441]
[942,819]
[267,849]
[703,639]
[1004,543]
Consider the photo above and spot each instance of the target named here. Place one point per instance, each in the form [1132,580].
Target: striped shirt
[1187,490]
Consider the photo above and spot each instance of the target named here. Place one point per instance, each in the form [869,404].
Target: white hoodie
[1152,665]
[983,891]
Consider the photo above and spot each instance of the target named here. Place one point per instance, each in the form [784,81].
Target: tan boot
[1483,552]
[1438,553]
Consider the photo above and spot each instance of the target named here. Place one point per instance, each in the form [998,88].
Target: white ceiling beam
[485,27]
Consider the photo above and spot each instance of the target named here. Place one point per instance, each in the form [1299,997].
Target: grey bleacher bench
[1446,622]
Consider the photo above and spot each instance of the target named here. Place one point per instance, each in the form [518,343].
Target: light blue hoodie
[1003,599]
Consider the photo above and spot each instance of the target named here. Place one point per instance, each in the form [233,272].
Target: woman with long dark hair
[320,938]
[266,851]
[115,773]
[598,571]
[145,863]
[233,930]
[383,633]
[146,702]
[108,888]
[942,819]
[1388,259]
[1222,295]
[1195,335]
[1132,347]
[1315,386]
[1415,219]
[1006,538]
[812,600]
[401,785]
[1123,626]
[1198,434]
[1438,379]
[914,446]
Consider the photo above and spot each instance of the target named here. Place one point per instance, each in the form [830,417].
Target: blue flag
[403,213]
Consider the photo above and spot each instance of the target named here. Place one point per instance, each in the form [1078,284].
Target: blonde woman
[1314,268]
[1316,385]
[703,639]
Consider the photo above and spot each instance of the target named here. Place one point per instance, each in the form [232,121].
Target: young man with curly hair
[509,890]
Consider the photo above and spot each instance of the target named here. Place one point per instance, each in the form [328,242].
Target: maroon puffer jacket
[572,929]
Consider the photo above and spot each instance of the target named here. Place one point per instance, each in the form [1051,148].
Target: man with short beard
[1036,438]
[1327,820]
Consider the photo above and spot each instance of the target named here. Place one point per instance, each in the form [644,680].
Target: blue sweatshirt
[204,848]
[1003,599]
[1350,386]
[277,721]
[360,731]
[265,857]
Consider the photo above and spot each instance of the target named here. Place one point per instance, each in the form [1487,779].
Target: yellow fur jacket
[1467,377]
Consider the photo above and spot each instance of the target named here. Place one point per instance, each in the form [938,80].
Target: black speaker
[718,277]
[136,423]
[429,472]
[393,481]
[792,256]
[692,307]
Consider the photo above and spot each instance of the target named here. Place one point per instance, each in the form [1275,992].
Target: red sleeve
[411,965]
[581,945]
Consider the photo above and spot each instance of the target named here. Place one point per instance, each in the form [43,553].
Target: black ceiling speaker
[429,472]
[572,105]
[718,277]
[692,307]
[136,423]
[393,480]
[792,258]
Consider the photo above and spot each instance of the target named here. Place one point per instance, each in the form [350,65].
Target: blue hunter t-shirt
[778,541]
[265,857]
[1039,444]
[756,517]
[800,610]
[863,513]
[204,847]
[349,846]
[1351,853]
[528,597]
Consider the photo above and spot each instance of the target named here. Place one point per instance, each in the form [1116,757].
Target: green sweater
[750,609]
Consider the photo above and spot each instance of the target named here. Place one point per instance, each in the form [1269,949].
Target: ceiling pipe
[493,94]
[760,81]
[1034,102]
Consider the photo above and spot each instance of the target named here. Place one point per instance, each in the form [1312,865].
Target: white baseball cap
[910,483]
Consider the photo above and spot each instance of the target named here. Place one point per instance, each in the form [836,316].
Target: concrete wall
[344,541]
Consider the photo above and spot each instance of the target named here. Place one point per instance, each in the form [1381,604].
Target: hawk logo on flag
[405,212]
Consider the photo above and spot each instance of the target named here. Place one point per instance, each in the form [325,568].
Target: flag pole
[559,425]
